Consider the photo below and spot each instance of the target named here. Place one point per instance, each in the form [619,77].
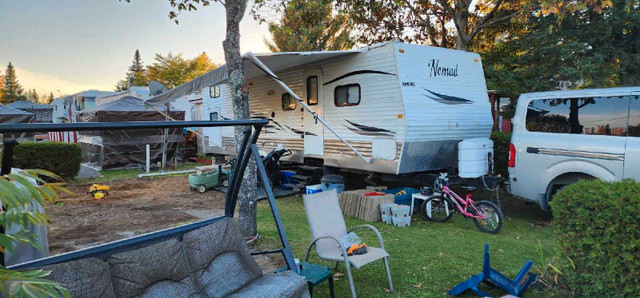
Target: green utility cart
[208,179]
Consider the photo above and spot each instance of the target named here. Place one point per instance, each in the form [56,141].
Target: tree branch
[425,22]
[484,20]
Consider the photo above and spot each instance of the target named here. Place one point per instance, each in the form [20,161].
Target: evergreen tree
[136,76]
[11,89]
[309,25]
[32,95]
[51,98]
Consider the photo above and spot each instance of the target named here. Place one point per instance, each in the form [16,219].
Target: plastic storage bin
[332,181]
[403,198]
[311,189]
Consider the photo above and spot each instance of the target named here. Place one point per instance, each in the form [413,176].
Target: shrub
[598,226]
[62,159]
[501,141]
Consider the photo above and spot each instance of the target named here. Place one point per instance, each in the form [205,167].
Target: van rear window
[589,115]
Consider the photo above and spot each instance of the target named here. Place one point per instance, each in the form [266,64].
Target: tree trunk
[574,120]
[235,10]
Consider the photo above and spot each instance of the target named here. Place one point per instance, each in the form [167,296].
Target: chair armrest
[370,227]
[342,248]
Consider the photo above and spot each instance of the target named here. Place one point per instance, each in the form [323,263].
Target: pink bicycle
[439,207]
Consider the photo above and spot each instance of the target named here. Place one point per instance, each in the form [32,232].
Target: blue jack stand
[492,277]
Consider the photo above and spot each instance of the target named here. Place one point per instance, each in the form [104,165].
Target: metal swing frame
[251,133]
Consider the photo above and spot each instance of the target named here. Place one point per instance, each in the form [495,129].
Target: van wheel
[551,192]
[559,183]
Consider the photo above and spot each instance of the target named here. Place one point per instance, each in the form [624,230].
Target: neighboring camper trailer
[403,107]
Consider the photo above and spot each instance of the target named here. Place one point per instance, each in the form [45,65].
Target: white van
[560,137]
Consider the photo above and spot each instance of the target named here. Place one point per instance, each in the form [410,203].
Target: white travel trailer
[390,108]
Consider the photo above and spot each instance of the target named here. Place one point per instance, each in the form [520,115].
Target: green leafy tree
[50,98]
[442,23]
[174,70]
[445,23]
[201,65]
[136,76]
[11,89]
[307,25]
[17,193]
[593,46]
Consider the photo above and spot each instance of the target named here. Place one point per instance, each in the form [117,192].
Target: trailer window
[312,90]
[347,95]
[213,116]
[588,115]
[214,92]
[288,102]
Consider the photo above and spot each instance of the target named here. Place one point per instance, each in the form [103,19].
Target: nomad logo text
[437,70]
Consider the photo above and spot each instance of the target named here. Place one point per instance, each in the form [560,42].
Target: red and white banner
[65,136]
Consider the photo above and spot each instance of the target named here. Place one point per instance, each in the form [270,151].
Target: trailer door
[313,129]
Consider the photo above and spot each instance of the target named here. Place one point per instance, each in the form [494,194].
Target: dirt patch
[133,207]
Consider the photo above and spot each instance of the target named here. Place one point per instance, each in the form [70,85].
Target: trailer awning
[274,61]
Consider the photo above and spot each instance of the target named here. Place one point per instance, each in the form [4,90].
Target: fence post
[148,159]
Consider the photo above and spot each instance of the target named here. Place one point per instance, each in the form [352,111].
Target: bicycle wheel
[437,209]
[492,223]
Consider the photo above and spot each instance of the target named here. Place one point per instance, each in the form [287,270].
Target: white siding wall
[380,101]
[430,120]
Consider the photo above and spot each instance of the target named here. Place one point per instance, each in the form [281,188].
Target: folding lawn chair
[328,227]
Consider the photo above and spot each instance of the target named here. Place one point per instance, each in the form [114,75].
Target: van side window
[312,90]
[590,115]
[288,103]
[634,116]
[347,95]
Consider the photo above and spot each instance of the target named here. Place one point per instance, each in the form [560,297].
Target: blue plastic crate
[402,199]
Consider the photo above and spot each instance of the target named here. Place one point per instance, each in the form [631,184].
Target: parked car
[560,137]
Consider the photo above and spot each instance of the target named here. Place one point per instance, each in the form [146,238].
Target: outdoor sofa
[208,261]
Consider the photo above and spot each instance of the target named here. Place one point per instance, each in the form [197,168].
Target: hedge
[61,158]
[501,141]
[598,224]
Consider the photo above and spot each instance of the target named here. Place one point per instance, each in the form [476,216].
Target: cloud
[45,83]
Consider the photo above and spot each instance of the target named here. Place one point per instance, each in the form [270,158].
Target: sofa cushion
[219,258]
[157,270]
[285,284]
[83,278]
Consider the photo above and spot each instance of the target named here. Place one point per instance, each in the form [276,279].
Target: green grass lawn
[427,259]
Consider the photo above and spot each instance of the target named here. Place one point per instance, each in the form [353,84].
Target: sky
[76,45]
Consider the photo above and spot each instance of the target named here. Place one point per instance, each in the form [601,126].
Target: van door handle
[533,150]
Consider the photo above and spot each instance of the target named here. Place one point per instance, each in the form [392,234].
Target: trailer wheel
[202,189]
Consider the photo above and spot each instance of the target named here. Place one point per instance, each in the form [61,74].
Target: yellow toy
[98,191]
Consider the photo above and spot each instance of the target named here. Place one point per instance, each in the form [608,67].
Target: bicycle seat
[469,188]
